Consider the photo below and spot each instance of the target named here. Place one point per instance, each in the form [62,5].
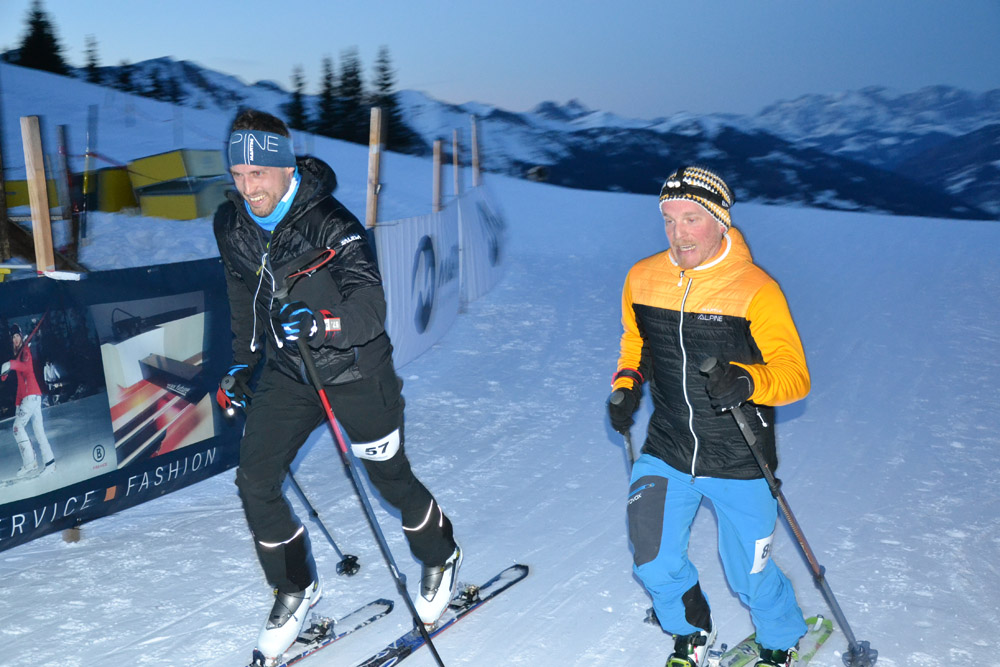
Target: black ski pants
[282,415]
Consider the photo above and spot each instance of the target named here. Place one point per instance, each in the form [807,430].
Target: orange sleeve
[631,341]
[784,376]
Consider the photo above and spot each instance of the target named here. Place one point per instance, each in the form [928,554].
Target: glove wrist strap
[635,375]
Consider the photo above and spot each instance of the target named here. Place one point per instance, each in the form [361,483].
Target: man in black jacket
[283,211]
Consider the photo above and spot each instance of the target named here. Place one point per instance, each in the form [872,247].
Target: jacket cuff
[627,378]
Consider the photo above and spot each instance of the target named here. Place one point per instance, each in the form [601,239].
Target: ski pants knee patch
[646,499]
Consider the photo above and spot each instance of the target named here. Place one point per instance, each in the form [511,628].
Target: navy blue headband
[259,148]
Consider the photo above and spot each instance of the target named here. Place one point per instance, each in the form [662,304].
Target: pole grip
[617,396]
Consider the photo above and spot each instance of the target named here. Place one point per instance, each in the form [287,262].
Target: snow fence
[433,265]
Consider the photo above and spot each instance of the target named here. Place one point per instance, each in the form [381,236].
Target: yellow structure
[173,165]
[184,199]
[17,193]
[109,190]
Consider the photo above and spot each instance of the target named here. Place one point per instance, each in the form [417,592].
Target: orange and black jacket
[673,320]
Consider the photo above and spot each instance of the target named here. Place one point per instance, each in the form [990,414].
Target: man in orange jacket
[701,298]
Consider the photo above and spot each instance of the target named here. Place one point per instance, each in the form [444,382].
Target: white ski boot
[437,587]
[27,471]
[286,620]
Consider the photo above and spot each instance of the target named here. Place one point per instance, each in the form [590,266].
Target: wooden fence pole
[66,203]
[38,196]
[455,163]
[4,236]
[436,199]
[374,161]
[475,154]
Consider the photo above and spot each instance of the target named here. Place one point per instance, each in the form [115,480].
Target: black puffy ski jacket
[349,285]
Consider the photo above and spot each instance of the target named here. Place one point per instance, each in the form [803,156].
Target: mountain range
[934,152]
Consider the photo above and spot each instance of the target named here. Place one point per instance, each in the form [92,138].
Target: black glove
[729,387]
[298,320]
[621,406]
[234,388]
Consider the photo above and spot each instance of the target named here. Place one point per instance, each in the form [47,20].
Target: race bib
[380,450]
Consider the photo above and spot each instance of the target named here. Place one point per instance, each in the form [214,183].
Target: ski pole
[859,654]
[281,295]
[617,396]
[348,564]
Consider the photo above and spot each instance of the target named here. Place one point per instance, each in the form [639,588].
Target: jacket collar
[734,249]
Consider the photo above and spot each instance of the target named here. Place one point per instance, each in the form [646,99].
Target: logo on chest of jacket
[709,317]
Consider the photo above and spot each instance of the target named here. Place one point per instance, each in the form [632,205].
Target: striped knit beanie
[702,186]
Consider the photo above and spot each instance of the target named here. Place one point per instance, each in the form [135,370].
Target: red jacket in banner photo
[27,384]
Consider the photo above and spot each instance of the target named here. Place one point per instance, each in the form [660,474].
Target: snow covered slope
[889,464]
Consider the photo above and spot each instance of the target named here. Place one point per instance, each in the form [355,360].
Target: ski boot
[437,586]
[286,620]
[691,650]
[27,471]
[777,658]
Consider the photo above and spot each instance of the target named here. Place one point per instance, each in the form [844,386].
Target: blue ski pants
[661,507]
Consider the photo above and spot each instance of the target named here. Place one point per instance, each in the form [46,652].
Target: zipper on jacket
[680,337]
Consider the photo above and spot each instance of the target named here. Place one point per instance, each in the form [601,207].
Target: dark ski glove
[729,387]
[297,320]
[234,388]
[621,406]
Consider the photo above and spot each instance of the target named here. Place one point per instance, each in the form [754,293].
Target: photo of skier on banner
[28,408]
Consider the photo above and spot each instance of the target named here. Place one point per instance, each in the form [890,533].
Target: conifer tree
[124,80]
[397,135]
[40,47]
[328,113]
[93,65]
[295,108]
[352,98]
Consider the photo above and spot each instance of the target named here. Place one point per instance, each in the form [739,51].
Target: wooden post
[38,196]
[88,180]
[374,159]
[436,199]
[455,163]
[63,178]
[475,154]
[4,236]
[66,203]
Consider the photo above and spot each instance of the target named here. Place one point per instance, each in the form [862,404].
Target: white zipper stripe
[680,334]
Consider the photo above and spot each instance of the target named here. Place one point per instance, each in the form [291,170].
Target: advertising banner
[483,242]
[419,262]
[107,392]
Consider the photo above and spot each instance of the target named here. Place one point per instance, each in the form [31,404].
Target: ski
[468,598]
[324,631]
[745,653]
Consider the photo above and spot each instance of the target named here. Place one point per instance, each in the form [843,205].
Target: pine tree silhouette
[397,135]
[40,47]
[295,109]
